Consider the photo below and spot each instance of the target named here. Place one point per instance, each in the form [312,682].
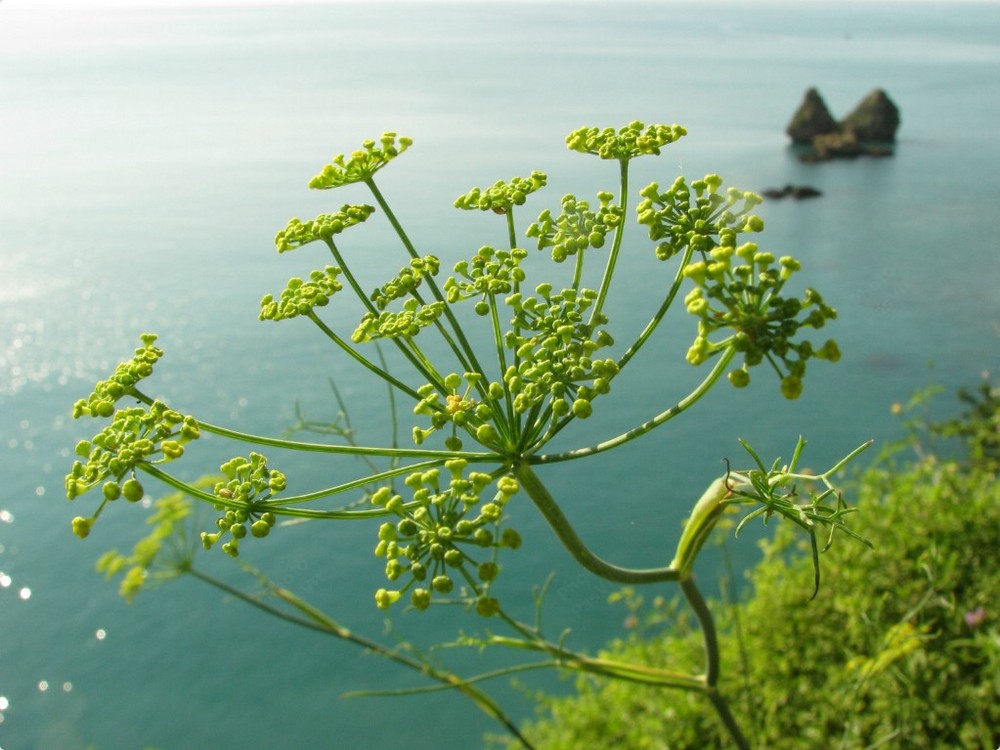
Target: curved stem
[692,398]
[711,640]
[313,619]
[658,316]
[550,510]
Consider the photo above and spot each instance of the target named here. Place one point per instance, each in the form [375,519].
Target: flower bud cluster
[135,435]
[577,227]
[299,297]
[362,164]
[555,348]
[407,281]
[440,534]
[458,409]
[635,139]
[490,272]
[135,568]
[740,289]
[696,215]
[323,227]
[249,484]
[403,324]
[101,402]
[502,196]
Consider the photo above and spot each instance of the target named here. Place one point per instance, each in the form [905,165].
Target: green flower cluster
[299,297]
[249,484]
[323,227]
[577,227]
[438,533]
[136,567]
[362,165]
[740,289]
[635,139]
[101,402]
[555,349]
[502,196]
[458,409]
[695,216]
[490,272]
[135,435]
[406,323]
[407,281]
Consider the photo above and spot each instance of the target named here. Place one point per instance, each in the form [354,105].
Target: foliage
[481,421]
[899,649]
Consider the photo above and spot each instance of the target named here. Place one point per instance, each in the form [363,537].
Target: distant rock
[876,118]
[812,118]
[874,121]
[798,192]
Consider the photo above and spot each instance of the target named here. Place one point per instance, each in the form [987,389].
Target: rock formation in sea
[876,118]
[798,192]
[812,118]
[864,132]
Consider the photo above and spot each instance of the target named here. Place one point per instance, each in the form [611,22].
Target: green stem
[432,285]
[655,321]
[711,641]
[692,398]
[550,510]
[616,246]
[361,359]
[313,619]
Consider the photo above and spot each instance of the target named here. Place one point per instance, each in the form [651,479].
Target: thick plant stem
[711,641]
[550,510]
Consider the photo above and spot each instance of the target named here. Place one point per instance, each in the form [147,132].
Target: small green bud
[442,584]
[385,598]
[420,599]
[132,490]
[582,408]
[81,526]
[260,528]
[486,433]
[487,606]
[791,387]
[112,490]
[739,378]
[510,539]
[488,571]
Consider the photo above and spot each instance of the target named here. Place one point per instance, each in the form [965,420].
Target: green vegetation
[899,649]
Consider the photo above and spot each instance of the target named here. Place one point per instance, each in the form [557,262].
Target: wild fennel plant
[482,420]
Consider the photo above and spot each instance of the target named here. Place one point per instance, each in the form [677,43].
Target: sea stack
[876,118]
[812,118]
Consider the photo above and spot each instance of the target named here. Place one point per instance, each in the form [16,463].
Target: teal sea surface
[148,155]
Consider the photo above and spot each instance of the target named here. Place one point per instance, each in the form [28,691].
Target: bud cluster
[362,164]
[458,409]
[135,435]
[101,402]
[577,227]
[740,289]
[299,297]
[490,272]
[439,534]
[635,139]
[403,324]
[407,281]
[695,216]
[243,496]
[135,568]
[323,227]
[502,196]
[555,348]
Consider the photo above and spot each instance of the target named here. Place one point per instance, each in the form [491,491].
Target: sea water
[149,154]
